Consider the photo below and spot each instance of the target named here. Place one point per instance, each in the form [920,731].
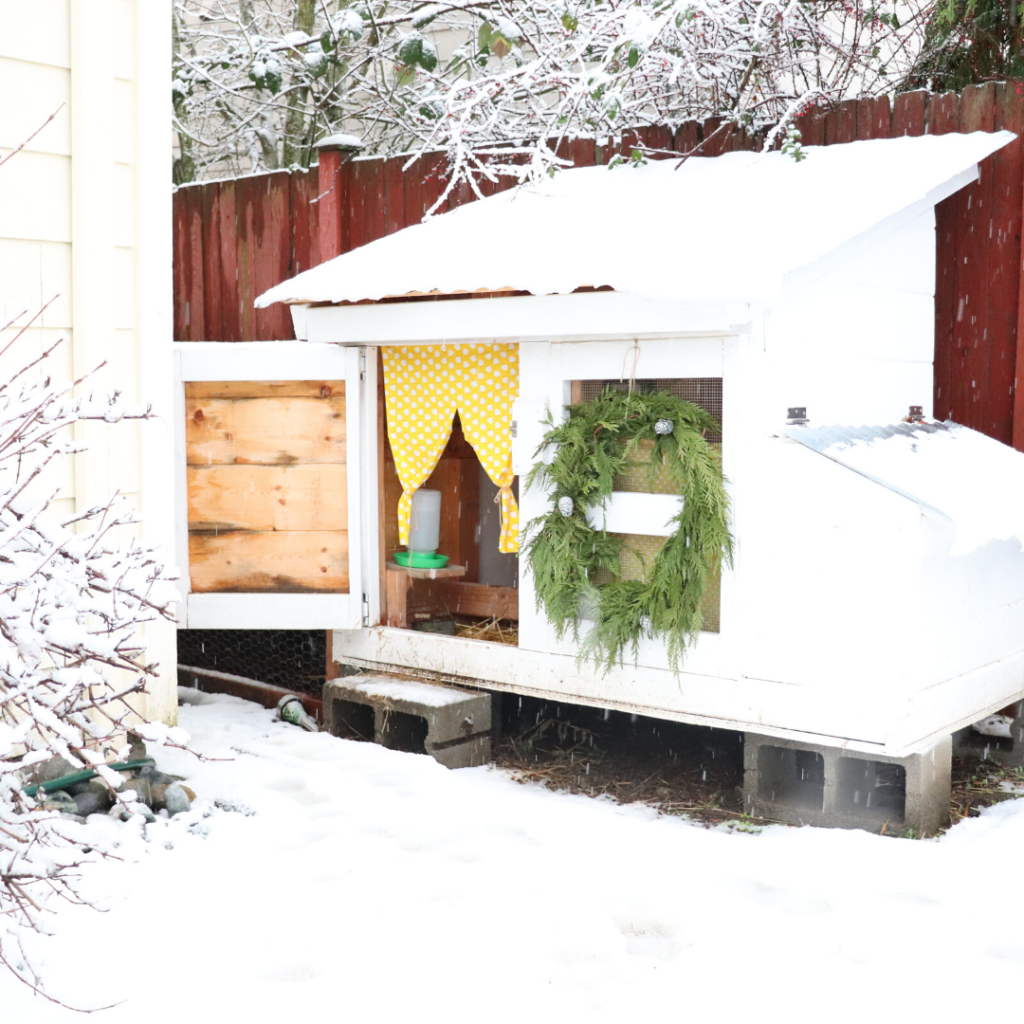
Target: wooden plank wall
[267,487]
[234,239]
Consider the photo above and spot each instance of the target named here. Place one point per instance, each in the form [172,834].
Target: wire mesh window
[639,551]
[293,658]
[705,392]
[635,561]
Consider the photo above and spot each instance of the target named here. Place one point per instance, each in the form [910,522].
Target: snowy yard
[356,882]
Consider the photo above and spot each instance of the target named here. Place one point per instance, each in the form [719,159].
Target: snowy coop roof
[971,480]
[723,229]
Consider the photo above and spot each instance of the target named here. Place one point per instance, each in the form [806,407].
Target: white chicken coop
[874,603]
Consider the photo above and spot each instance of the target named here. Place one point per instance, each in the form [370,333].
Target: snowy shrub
[74,591]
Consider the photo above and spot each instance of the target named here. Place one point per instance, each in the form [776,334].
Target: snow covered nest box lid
[971,480]
[728,228]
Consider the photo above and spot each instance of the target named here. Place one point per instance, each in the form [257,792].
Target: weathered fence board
[235,239]
[1004,260]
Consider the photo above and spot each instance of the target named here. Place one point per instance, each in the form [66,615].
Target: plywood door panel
[312,497]
[284,563]
[268,431]
[265,389]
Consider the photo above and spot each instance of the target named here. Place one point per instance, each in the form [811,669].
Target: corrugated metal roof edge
[821,439]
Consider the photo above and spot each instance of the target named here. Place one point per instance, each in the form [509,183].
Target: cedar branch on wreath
[598,442]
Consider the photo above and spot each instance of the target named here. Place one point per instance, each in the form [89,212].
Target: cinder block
[807,784]
[453,726]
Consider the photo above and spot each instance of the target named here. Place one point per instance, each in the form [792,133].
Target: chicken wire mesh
[293,658]
[705,392]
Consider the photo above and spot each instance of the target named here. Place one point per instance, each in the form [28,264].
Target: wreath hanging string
[599,441]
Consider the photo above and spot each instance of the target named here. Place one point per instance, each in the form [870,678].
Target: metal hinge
[362,369]
[366,609]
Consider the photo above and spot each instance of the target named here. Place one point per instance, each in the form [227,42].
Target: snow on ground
[354,882]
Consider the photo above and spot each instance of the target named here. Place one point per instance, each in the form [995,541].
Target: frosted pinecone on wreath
[663,427]
[566,505]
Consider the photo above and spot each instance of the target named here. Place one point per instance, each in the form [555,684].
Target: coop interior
[477,594]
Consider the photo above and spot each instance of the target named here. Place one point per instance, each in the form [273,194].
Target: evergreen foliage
[967,42]
[598,441]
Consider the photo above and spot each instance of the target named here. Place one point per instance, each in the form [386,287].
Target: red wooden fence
[235,239]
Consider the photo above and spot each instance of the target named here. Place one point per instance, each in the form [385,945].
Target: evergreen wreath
[597,442]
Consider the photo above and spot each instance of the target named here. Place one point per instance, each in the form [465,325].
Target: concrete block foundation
[806,784]
[452,726]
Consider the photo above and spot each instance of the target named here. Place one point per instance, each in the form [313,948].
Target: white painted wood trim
[269,611]
[299,322]
[690,697]
[728,702]
[369,492]
[180,490]
[353,463]
[653,357]
[152,242]
[93,266]
[528,416]
[640,513]
[519,318]
[260,360]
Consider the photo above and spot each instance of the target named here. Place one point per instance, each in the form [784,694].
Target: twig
[31,137]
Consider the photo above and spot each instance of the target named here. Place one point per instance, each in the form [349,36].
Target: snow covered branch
[73,593]
[499,84]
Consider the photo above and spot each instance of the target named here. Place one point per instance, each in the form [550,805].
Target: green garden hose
[87,773]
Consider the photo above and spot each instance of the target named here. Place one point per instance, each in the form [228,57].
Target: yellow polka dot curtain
[424,386]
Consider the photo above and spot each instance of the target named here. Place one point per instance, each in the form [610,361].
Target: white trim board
[689,697]
[259,360]
[557,676]
[516,318]
[268,611]
[636,512]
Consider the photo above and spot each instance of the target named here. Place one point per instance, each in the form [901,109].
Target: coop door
[639,510]
[270,436]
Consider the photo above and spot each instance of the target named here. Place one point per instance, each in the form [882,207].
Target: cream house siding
[85,214]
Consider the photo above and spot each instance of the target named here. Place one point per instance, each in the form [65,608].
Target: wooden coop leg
[398,586]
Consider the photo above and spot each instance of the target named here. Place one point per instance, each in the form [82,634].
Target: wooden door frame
[287,360]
